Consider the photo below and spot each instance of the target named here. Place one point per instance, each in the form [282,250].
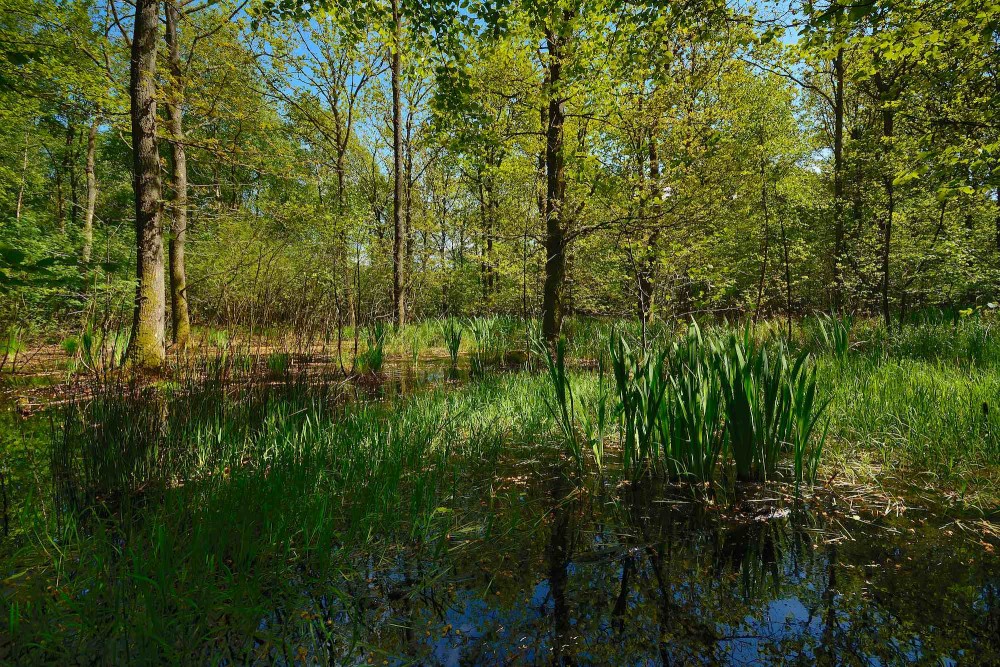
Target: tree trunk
[997,218]
[88,214]
[398,241]
[838,179]
[178,227]
[541,184]
[60,207]
[788,273]
[888,118]
[555,191]
[24,180]
[647,266]
[70,161]
[491,272]
[765,243]
[146,347]
[543,115]
[408,213]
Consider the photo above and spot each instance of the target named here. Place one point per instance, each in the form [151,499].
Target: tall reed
[770,407]
[582,426]
[563,406]
[372,358]
[487,335]
[836,333]
[693,428]
[451,331]
[642,388]
[709,399]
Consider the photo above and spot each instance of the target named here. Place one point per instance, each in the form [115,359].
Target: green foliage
[563,407]
[373,356]
[642,387]
[217,338]
[695,434]
[836,333]
[918,414]
[582,427]
[279,363]
[139,492]
[770,406]
[451,330]
[682,407]
[419,337]
[493,336]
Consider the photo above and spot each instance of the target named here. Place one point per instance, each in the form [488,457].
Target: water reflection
[554,573]
[641,579]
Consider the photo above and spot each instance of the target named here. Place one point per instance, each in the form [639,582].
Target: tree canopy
[391,160]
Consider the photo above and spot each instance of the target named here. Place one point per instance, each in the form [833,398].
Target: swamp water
[647,580]
[537,566]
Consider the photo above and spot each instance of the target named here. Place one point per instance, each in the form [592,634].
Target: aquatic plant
[836,332]
[583,425]
[451,330]
[419,336]
[642,388]
[95,350]
[279,363]
[596,426]
[166,502]
[486,335]
[217,338]
[563,406]
[806,412]
[11,345]
[769,405]
[373,356]
[692,426]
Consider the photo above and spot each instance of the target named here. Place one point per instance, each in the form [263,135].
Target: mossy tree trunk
[91,177]
[146,347]
[180,317]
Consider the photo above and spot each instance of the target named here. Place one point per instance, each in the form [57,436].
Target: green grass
[279,363]
[451,331]
[11,345]
[168,508]
[836,333]
[373,356]
[202,516]
[929,415]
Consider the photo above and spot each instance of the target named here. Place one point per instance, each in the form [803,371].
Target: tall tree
[557,33]
[180,317]
[147,347]
[398,176]
[91,177]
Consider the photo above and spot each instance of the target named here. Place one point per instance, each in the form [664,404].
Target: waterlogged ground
[539,565]
[640,575]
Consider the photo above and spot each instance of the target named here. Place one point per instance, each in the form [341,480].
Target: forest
[499,332]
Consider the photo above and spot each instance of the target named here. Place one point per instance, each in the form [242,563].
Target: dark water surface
[646,579]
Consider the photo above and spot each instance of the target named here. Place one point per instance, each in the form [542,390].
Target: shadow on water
[645,576]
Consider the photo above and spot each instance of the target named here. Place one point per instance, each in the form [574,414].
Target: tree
[180,317]
[147,347]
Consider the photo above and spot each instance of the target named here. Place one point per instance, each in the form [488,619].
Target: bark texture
[91,177]
[838,179]
[398,241]
[555,193]
[147,344]
[180,317]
